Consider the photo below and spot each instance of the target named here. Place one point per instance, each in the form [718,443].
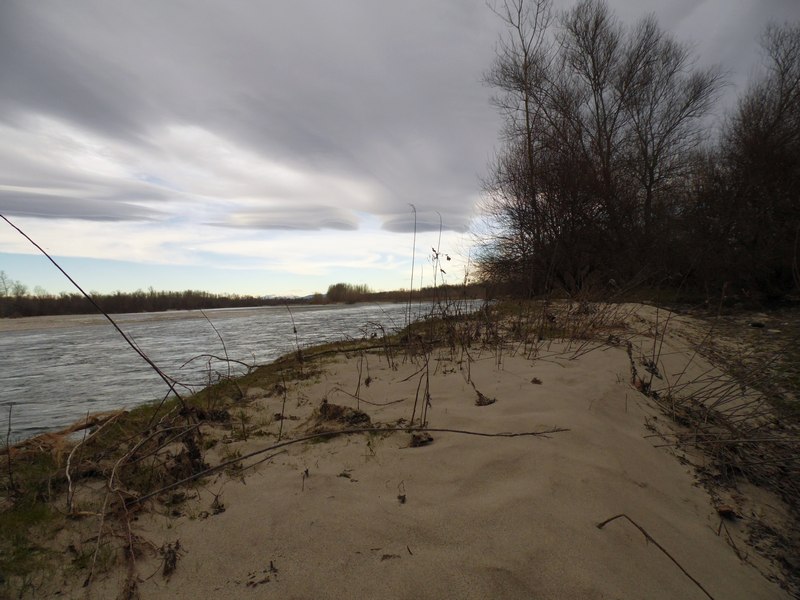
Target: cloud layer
[257,117]
[315,110]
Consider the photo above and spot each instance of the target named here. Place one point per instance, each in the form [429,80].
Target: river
[55,370]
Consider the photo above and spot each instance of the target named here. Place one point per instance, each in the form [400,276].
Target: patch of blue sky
[155,180]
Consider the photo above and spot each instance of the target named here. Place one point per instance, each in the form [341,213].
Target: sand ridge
[370,516]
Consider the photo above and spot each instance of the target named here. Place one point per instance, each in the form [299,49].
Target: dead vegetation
[89,481]
[84,493]
[729,423]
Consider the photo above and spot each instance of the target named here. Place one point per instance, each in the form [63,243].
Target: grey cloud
[384,93]
[46,69]
[38,188]
[61,207]
[309,218]
[318,86]
[424,223]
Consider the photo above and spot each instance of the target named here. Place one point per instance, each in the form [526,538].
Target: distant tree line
[23,304]
[17,301]
[349,294]
[612,172]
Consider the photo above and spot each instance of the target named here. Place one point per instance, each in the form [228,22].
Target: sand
[465,516]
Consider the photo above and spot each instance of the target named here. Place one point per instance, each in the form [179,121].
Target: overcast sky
[267,147]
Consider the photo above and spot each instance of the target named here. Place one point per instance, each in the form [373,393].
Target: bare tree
[5,284]
[520,68]
[666,103]
[761,157]
[519,73]
[601,121]
[642,108]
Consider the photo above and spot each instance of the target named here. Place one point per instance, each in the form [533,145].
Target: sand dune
[465,516]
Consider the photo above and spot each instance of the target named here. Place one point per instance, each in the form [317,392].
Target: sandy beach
[452,512]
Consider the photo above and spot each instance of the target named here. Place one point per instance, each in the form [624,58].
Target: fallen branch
[346,393]
[649,538]
[220,359]
[333,433]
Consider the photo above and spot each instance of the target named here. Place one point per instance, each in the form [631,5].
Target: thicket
[612,172]
[348,293]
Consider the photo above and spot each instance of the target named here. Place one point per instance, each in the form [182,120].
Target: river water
[55,370]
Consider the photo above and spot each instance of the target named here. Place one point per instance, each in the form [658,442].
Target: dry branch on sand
[137,470]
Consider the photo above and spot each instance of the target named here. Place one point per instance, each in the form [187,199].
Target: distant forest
[17,301]
[616,170]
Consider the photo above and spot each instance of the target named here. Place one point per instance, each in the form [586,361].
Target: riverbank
[24,305]
[45,322]
[530,447]
[55,370]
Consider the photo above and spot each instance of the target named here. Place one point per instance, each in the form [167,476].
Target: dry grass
[59,491]
[731,421]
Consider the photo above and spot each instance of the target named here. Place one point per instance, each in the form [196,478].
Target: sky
[269,147]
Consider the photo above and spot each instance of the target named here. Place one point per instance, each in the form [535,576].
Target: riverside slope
[370,516]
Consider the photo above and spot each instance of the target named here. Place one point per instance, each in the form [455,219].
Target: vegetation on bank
[57,493]
[578,204]
[616,168]
[52,486]
[17,301]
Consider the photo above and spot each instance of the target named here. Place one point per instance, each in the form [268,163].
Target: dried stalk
[70,491]
[650,538]
[222,341]
[166,378]
[12,486]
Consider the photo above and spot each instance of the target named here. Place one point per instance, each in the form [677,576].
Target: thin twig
[296,339]
[88,579]
[283,406]
[70,491]
[346,393]
[167,379]
[11,485]
[183,431]
[649,538]
[220,359]
[411,286]
[222,341]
